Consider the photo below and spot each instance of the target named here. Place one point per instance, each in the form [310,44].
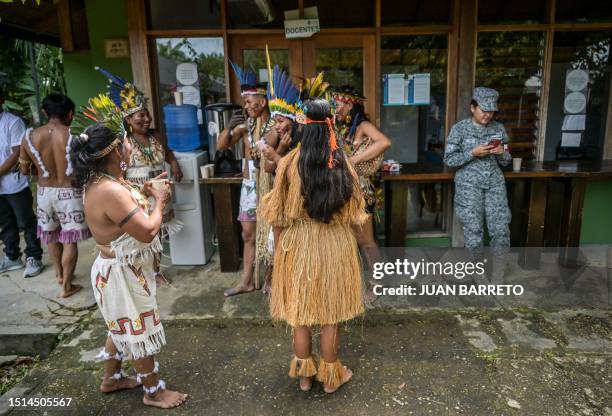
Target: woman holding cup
[150,150]
[476,146]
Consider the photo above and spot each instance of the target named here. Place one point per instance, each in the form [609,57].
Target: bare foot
[59,278]
[110,385]
[165,399]
[161,279]
[267,288]
[66,293]
[346,376]
[239,289]
[305,383]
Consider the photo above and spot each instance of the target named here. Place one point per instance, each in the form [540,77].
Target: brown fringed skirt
[317,275]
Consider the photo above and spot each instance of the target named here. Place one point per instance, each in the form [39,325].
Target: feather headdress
[100,109]
[124,94]
[283,95]
[248,81]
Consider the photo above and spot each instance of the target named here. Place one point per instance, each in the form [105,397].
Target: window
[343,13]
[569,11]
[204,86]
[342,66]
[417,131]
[415,12]
[255,59]
[184,14]
[579,95]
[511,63]
[515,11]
[259,14]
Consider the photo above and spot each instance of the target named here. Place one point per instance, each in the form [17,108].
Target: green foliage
[211,66]
[18,81]
[22,1]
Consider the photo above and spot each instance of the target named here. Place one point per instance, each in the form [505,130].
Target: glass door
[347,59]
[250,52]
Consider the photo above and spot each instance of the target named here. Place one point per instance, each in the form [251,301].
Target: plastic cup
[204,171]
[178,98]
[158,183]
[516,164]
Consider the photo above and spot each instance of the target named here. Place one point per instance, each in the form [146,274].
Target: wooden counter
[534,179]
[226,195]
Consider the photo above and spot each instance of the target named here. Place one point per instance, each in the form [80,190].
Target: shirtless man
[61,221]
[249,130]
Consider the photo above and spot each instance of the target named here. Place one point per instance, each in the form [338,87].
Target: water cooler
[192,205]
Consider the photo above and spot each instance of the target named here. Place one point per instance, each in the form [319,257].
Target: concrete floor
[439,357]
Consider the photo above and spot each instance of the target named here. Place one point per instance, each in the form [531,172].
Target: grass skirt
[317,275]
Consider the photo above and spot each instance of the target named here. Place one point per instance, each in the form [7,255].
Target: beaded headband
[104,152]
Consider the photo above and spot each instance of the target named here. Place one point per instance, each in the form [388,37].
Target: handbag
[367,167]
[226,163]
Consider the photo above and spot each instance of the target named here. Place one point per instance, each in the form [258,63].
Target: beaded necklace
[146,151]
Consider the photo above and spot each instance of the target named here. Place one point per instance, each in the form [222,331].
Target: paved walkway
[454,359]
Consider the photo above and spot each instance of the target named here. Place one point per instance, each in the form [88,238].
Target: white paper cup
[158,183]
[211,170]
[204,171]
[516,163]
[178,98]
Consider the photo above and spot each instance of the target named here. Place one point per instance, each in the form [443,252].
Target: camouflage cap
[486,98]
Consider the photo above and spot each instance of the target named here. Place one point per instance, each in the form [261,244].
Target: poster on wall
[394,86]
[419,86]
[415,89]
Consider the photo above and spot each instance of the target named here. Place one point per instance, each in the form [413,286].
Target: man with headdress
[250,130]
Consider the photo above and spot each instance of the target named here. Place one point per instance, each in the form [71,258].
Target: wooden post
[466,63]
[396,206]
[530,253]
[139,51]
[65,25]
[227,227]
[572,220]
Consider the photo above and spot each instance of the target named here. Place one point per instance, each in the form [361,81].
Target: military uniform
[480,187]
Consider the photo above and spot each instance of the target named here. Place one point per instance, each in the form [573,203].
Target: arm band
[129,216]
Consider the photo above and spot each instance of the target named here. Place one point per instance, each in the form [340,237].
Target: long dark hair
[325,190]
[83,150]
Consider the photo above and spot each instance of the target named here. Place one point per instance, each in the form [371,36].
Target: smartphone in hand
[495,142]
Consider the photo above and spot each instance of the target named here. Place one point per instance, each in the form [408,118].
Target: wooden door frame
[302,57]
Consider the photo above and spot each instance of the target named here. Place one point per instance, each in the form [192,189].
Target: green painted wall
[597,214]
[105,19]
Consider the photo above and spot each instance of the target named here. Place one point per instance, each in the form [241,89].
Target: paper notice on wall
[574,122]
[187,73]
[395,89]
[570,139]
[576,79]
[575,103]
[191,95]
[419,86]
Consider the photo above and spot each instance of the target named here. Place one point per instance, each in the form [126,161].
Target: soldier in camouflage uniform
[480,188]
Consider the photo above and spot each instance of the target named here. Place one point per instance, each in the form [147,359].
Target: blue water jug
[182,128]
